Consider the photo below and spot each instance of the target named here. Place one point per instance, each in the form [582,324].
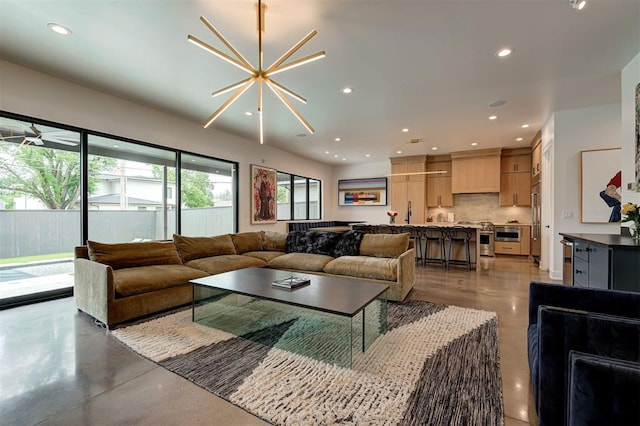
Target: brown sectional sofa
[119,282]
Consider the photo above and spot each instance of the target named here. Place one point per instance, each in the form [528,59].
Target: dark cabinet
[605,261]
[591,265]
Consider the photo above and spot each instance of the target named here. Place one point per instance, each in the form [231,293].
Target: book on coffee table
[291,282]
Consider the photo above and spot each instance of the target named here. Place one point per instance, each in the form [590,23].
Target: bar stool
[435,235]
[462,234]
[415,233]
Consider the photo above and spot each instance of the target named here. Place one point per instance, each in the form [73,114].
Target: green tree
[197,190]
[49,175]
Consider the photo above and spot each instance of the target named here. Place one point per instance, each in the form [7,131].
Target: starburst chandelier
[258,75]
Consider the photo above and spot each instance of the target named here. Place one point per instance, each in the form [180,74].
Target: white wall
[373,214]
[28,92]
[574,131]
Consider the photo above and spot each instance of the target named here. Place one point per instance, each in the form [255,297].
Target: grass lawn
[27,259]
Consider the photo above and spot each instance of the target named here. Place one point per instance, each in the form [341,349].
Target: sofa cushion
[130,255]
[264,255]
[384,245]
[301,261]
[532,352]
[348,244]
[376,268]
[247,241]
[274,241]
[225,263]
[145,279]
[197,247]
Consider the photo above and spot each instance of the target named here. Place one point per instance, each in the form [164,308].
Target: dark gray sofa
[604,323]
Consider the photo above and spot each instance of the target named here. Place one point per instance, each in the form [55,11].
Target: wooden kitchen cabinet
[439,185]
[536,155]
[515,177]
[407,187]
[515,163]
[515,189]
[475,171]
[439,192]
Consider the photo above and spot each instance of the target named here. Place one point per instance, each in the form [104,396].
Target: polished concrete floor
[58,367]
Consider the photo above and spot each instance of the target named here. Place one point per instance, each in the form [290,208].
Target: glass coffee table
[331,319]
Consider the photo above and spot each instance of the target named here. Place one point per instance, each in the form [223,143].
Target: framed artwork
[362,192]
[600,182]
[263,194]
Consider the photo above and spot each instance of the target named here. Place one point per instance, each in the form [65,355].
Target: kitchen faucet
[407,217]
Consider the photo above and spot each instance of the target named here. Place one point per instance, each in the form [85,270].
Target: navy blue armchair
[562,319]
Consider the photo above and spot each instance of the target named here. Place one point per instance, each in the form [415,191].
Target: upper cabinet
[439,184]
[408,184]
[515,177]
[475,171]
[536,156]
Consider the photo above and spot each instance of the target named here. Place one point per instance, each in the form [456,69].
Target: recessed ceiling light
[398,152]
[59,29]
[497,103]
[367,155]
[434,148]
[337,139]
[248,113]
[347,90]
[504,52]
[116,146]
[493,117]
[578,4]
[326,152]
[405,130]
[525,126]
[474,143]
[335,155]
[518,139]
[344,159]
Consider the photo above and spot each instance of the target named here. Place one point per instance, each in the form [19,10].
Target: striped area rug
[436,365]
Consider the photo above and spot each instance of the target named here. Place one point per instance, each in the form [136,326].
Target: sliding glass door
[39,209]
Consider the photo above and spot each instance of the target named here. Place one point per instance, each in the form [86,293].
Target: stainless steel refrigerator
[536,214]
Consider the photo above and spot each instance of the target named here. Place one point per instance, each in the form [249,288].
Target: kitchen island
[457,250]
[607,261]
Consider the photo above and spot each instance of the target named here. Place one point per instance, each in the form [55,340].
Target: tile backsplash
[480,207]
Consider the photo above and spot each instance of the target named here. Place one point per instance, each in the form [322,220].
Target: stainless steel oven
[486,235]
[508,233]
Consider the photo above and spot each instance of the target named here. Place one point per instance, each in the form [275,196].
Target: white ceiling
[426,65]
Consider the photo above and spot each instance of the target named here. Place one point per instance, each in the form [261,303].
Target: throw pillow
[348,244]
[247,241]
[297,242]
[198,247]
[130,255]
[322,242]
[384,245]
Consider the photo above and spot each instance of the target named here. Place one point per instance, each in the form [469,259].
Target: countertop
[441,224]
[610,240]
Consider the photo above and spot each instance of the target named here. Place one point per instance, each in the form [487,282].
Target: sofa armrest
[561,331]
[603,390]
[93,288]
[613,302]
[406,272]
